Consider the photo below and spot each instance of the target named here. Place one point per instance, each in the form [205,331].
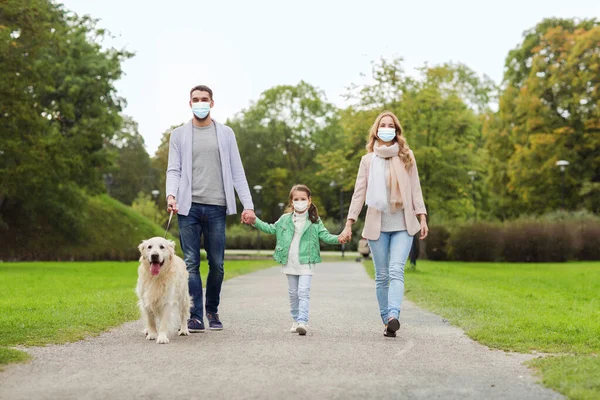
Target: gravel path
[343,356]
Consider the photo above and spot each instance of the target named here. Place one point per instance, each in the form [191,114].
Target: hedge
[555,240]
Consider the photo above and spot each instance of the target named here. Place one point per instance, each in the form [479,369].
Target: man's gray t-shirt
[207,176]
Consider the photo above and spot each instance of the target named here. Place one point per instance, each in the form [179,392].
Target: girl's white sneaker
[294,328]
[301,329]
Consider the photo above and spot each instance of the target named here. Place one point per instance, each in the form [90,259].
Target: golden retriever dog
[162,290]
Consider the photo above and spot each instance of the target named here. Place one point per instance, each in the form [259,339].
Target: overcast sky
[241,48]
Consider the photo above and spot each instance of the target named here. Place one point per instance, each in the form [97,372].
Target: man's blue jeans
[208,221]
[390,252]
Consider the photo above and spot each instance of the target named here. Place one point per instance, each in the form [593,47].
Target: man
[414,253]
[203,170]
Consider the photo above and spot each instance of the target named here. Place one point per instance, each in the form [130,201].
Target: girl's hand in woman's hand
[346,234]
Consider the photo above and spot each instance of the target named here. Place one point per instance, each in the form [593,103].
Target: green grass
[577,377]
[111,231]
[12,356]
[53,302]
[551,308]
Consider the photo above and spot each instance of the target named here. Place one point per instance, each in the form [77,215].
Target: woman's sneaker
[294,328]
[392,326]
[387,333]
[301,329]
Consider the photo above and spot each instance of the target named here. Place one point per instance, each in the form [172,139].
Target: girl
[388,181]
[298,232]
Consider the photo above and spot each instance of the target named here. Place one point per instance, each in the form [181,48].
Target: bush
[436,243]
[555,237]
[242,237]
[589,248]
[476,242]
[537,242]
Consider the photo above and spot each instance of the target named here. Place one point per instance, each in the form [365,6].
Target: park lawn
[550,308]
[58,302]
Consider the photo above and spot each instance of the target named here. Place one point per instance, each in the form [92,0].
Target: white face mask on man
[300,205]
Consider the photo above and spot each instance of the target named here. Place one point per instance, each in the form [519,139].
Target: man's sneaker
[301,329]
[195,325]
[294,328]
[213,322]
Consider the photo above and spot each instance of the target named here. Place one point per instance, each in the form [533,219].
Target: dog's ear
[141,246]
[171,244]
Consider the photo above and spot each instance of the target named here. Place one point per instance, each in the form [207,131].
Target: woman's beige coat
[412,198]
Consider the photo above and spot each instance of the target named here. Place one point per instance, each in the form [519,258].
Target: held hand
[424,229]
[342,239]
[248,217]
[172,204]
[346,234]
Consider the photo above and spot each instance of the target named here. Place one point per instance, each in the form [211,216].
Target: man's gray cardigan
[179,170]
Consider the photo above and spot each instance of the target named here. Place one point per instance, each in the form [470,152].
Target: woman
[388,181]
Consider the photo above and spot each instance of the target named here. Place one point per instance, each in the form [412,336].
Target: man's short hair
[202,88]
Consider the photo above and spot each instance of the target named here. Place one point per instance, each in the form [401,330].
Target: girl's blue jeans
[299,291]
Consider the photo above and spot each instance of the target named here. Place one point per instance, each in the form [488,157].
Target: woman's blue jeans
[390,253]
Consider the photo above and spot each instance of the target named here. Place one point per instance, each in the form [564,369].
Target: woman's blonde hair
[404,152]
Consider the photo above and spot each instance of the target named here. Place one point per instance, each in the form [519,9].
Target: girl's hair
[313,213]
[404,152]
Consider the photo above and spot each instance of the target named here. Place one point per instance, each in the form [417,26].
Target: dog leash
[168,223]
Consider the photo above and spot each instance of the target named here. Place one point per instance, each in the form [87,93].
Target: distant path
[344,356]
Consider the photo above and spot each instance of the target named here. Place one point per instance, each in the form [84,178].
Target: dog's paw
[151,336]
[184,332]
[162,339]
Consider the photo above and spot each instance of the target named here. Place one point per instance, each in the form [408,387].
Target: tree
[131,172]
[144,205]
[549,110]
[58,106]
[440,115]
[159,165]
[279,137]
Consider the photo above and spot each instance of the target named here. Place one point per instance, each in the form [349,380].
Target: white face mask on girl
[300,206]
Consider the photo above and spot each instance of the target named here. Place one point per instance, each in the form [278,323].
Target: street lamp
[334,184]
[563,164]
[108,181]
[473,174]
[280,206]
[155,194]
[257,189]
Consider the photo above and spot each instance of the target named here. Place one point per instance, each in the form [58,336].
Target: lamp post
[334,184]
[108,181]
[563,164]
[280,206]
[257,189]
[473,174]
[155,194]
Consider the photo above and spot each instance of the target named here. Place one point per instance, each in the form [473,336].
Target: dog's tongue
[155,268]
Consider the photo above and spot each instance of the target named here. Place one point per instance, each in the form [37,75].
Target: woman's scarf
[379,181]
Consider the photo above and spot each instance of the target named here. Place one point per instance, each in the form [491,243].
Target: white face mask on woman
[300,205]
[386,134]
